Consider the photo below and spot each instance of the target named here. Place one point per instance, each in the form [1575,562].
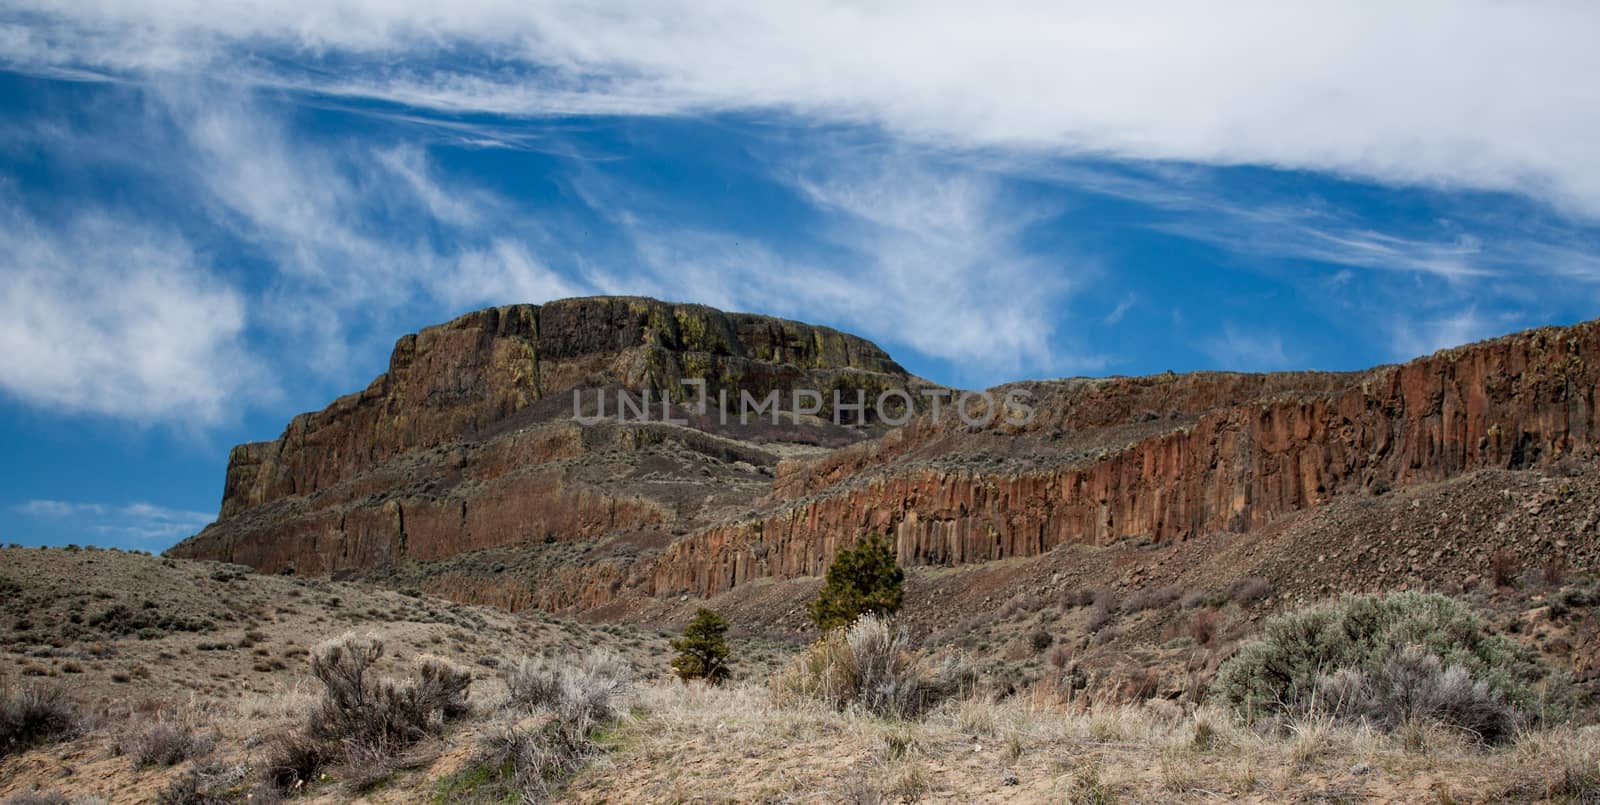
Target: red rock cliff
[467,441]
[466,444]
[1293,442]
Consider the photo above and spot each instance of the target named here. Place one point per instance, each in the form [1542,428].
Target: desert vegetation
[366,724]
[1085,692]
[1392,661]
[549,725]
[703,649]
[871,665]
[32,714]
[862,579]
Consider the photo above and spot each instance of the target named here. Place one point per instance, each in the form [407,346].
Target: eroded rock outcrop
[461,470]
[468,441]
[1515,402]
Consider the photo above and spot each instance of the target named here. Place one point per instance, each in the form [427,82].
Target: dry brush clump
[169,740]
[871,664]
[47,798]
[1152,598]
[1503,566]
[1392,661]
[569,701]
[365,723]
[34,714]
[216,784]
[1204,626]
[1247,590]
[588,687]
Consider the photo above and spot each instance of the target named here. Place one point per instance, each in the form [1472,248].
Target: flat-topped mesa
[457,380]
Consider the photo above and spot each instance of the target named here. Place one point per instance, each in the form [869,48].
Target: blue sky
[214,216]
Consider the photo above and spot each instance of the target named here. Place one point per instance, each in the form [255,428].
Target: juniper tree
[863,578]
[703,649]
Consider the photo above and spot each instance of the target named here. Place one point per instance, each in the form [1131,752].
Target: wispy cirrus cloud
[134,523]
[114,312]
[923,241]
[910,251]
[1424,335]
[1360,88]
[1248,349]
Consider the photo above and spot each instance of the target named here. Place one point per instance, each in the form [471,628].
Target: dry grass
[101,697]
[739,743]
[371,726]
[872,665]
[669,741]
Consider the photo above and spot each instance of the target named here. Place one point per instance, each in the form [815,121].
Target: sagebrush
[871,664]
[1390,660]
[362,720]
[167,741]
[34,714]
[572,698]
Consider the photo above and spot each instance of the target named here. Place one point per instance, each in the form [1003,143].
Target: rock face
[460,379]
[1197,464]
[468,440]
[463,446]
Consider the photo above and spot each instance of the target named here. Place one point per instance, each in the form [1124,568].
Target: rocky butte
[467,448]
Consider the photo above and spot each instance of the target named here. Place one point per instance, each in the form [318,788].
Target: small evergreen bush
[703,649]
[862,579]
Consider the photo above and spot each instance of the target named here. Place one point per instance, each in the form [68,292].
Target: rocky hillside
[462,471]
[468,441]
[1162,458]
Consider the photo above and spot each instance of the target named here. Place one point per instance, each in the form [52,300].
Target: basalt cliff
[463,470]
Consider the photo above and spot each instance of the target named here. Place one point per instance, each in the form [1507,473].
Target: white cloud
[915,255]
[144,522]
[353,233]
[1470,93]
[105,316]
[1121,310]
[942,269]
[929,250]
[1241,349]
[117,314]
[1415,336]
[1279,232]
[502,272]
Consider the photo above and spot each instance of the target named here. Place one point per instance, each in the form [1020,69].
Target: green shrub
[703,649]
[1389,660]
[121,620]
[862,579]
